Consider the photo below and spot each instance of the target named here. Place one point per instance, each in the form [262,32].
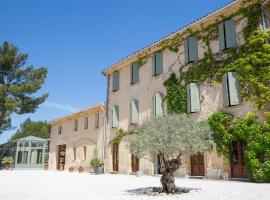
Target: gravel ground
[51,185]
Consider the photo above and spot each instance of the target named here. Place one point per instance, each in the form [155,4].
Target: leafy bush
[7,160]
[95,162]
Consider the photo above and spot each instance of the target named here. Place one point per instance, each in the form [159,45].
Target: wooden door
[134,163]
[115,152]
[197,165]
[61,157]
[238,169]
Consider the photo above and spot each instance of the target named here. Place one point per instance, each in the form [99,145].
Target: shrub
[95,162]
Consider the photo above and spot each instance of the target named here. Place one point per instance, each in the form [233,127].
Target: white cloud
[59,106]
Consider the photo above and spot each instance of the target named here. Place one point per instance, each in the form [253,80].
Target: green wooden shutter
[193,48]
[221,36]
[115,81]
[194,98]
[158,63]
[225,90]
[186,51]
[233,89]
[134,73]
[134,117]
[230,33]
[158,104]
[115,117]
[188,99]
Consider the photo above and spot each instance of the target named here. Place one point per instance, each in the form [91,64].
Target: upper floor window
[158,63]
[227,35]
[97,120]
[115,116]
[231,91]
[134,73]
[86,123]
[75,125]
[191,49]
[193,98]
[158,104]
[59,130]
[115,81]
[134,111]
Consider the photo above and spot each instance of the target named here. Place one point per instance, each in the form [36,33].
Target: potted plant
[7,161]
[97,165]
[71,169]
[81,169]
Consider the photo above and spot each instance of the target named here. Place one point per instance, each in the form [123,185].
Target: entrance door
[134,163]
[115,152]
[238,169]
[61,157]
[197,165]
[157,164]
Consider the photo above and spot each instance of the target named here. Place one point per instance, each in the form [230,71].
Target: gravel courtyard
[49,185]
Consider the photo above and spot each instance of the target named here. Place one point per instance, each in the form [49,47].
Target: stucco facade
[81,143]
[211,98]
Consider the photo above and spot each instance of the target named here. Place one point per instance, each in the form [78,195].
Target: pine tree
[18,84]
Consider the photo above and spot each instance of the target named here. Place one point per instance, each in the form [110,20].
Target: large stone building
[77,138]
[135,92]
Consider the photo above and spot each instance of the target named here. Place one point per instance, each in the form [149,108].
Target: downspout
[106,117]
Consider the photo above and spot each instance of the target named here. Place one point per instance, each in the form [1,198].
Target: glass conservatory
[28,152]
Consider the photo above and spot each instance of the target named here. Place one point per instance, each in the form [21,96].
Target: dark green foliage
[18,84]
[39,129]
[176,97]
[227,129]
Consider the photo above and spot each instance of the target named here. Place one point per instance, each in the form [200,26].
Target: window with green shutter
[227,35]
[158,104]
[134,73]
[115,84]
[115,116]
[193,98]
[191,49]
[134,111]
[158,64]
[231,89]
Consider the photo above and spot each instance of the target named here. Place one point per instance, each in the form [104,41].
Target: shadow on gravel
[157,191]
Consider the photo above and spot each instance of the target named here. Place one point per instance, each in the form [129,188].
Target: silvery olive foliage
[171,135]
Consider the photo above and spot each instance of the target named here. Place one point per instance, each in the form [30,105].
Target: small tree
[171,136]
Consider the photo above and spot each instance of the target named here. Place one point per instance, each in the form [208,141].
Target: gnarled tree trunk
[168,167]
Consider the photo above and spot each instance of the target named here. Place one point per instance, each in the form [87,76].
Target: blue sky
[77,39]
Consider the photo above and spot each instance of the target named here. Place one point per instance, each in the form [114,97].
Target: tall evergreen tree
[18,84]
[35,128]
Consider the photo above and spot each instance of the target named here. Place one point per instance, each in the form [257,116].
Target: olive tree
[170,137]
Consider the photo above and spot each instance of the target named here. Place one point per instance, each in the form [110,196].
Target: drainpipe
[105,131]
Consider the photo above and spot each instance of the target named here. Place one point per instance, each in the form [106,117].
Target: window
[97,120]
[115,84]
[76,125]
[134,111]
[231,91]
[191,49]
[227,35]
[84,152]
[158,63]
[86,123]
[59,130]
[193,98]
[115,116]
[134,73]
[158,104]
[74,153]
